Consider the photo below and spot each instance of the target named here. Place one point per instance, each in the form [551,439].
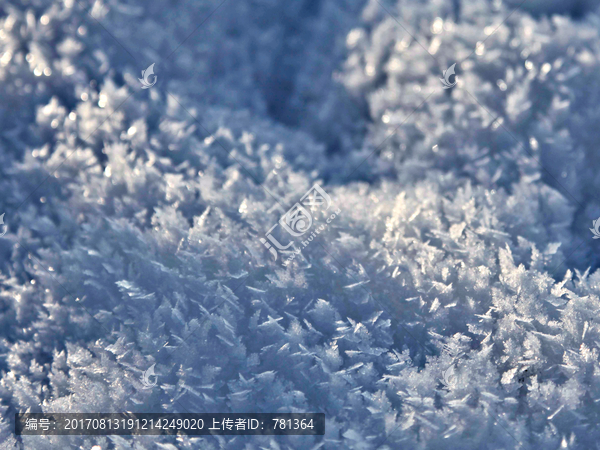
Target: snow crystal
[452,303]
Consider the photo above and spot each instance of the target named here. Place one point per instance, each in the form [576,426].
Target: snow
[451,304]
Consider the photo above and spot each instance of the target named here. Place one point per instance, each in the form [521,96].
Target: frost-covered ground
[451,304]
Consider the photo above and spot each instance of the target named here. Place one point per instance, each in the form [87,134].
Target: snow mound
[450,298]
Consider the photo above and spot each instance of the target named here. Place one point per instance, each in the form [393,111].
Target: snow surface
[452,304]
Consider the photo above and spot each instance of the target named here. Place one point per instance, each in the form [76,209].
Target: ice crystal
[452,303]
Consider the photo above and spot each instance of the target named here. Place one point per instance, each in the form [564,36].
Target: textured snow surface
[452,304]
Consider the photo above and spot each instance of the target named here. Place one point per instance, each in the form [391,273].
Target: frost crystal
[452,303]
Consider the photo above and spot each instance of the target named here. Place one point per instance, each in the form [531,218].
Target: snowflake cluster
[454,301]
